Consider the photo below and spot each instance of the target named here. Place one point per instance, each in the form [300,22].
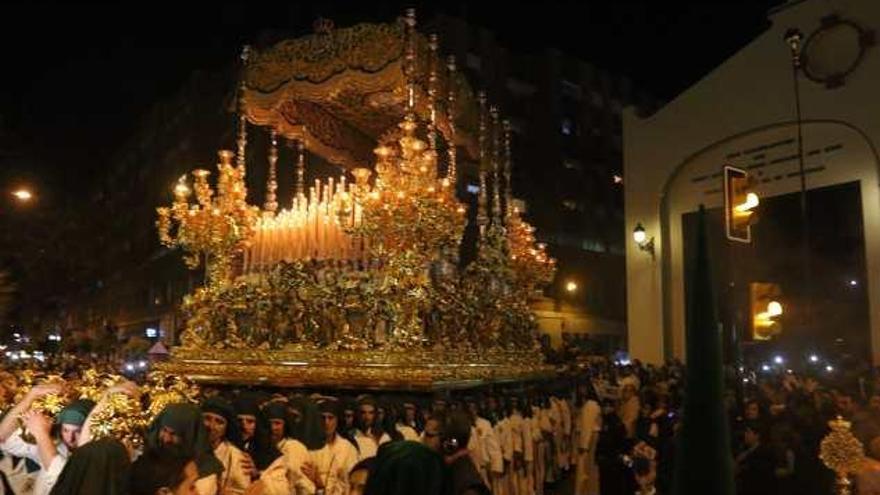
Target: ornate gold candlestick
[216,227]
[842,453]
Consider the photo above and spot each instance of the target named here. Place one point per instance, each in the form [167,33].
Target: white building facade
[743,114]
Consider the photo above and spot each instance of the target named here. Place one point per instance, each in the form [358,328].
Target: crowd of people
[602,428]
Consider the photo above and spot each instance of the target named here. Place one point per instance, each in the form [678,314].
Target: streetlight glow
[23,195]
[778,360]
[814,358]
[571,286]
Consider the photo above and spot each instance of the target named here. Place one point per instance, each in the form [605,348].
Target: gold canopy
[341,91]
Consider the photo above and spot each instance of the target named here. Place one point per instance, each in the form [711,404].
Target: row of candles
[315,227]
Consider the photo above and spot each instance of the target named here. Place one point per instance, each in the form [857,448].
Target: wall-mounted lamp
[641,238]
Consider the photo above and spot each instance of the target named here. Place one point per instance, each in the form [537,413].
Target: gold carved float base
[412,370]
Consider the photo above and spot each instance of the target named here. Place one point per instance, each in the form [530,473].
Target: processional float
[357,281]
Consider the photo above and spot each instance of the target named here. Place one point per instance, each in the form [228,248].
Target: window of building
[472,60]
[572,164]
[593,245]
[517,125]
[568,127]
[518,87]
[570,204]
[571,89]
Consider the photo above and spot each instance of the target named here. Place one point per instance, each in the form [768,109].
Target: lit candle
[260,246]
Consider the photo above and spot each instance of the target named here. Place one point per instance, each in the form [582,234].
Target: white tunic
[408,432]
[503,485]
[476,450]
[491,446]
[587,429]
[367,446]
[207,485]
[518,479]
[541,429]
[295,455]
[561,418]
[565,410]
[589,423]
[334,461]
[47,476]
[21,482]
[235,481]
[632,380]
[515,423]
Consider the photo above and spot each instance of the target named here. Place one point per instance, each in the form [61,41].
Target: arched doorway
[839,160]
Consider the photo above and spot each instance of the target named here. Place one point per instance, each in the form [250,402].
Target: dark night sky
[77,78]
